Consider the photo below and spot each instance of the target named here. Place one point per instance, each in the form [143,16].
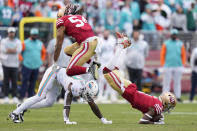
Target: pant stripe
[115,79]
[45,83]
[78,56]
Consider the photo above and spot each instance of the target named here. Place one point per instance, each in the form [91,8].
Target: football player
[72,23]
[49,89]
[151,107]
[76,90]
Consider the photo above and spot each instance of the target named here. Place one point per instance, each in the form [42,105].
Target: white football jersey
[78,84]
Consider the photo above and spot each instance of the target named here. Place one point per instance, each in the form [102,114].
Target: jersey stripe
[78,56]
[45,83]
[117,82]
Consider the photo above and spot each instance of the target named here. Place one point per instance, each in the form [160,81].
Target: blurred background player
[49,89]
[107,49]
[193,63]
[73,24]
[33,54]
[173,58]
[63,59]
[135,58]
[150,106]
[11,47]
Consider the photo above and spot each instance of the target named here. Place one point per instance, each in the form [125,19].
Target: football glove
[105,121]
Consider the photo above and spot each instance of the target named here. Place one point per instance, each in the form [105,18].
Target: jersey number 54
[80,22]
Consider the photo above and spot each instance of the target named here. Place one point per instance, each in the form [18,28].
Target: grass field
[183,118]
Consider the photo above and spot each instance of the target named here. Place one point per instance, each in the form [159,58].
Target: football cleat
[21,113]
[14,117]
[93,69]
[123,40]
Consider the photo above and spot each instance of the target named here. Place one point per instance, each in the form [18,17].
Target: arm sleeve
[183,54]
[43,53]
[163,54]
[59,22]
[23,46]
[157,109]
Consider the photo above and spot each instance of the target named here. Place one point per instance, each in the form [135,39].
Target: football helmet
[69,9]
[168,100]
[91,90]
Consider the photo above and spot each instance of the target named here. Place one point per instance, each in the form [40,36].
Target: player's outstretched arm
[97,112]
[59,42]
[146,119]
[151,118]
[67,103]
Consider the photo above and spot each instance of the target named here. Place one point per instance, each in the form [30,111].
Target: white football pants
[49,89]
[174,73]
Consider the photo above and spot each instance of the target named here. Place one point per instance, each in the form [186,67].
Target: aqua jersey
[6,14]
[135,9]
[148,26]
[173,53]
[32,54]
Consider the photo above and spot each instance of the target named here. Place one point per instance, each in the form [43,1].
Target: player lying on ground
[72,23]
[151,107]
[49,89]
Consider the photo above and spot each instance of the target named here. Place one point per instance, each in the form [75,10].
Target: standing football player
[49,89]
[72,23]
[151,107]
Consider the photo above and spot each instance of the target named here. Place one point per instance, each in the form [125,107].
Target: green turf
[183,118]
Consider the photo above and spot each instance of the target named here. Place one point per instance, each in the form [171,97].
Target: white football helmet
[91,90]
[168,100]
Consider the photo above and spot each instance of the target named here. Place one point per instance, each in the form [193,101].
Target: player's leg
[69,50]
[46,84]
[167,79]
[81,56]
[116,81]
[49,100]
[177,82]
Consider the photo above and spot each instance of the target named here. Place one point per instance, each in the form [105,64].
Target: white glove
[105,121]
[55,67]
[70,122]
[160,122]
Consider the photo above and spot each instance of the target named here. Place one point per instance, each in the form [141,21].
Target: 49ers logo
[172,100]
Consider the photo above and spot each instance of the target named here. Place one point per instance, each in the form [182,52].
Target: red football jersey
[142,101]
[76,26]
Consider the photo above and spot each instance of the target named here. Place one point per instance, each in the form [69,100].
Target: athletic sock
[115,59]
[76,70]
